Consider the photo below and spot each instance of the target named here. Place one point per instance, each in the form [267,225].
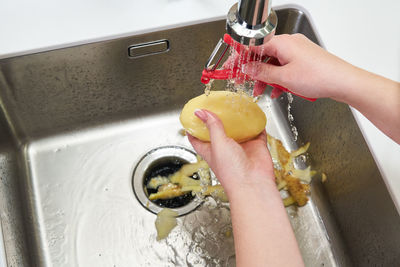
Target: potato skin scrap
[165,222]
[279,175]
[182,178]
[287,176]
[278,151]
[300,151]
[170,187]
[167,191]
[297,190]
[283,155]
[289,201]
[157,181]
[323,177]
[304,175]
[281,185]
[191,168]
[218,192]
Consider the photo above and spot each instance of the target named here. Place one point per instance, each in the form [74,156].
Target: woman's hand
[305,68]
[261,228]
[309,70]
[248,164]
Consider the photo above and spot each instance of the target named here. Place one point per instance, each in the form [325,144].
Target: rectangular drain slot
[148,49]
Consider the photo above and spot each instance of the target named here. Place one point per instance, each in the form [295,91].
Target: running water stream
[247,86]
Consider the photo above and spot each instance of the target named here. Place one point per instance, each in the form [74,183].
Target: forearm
[376,97]
[261,227]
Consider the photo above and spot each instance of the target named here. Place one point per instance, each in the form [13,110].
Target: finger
[231,61]
[214,125]
[202,148]
[259,88]
[262,137]
[270,48]
[264,72]
[278,47]
[220,143]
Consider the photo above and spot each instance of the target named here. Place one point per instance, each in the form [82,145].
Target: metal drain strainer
[163,160]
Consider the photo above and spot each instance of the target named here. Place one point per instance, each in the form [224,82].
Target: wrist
[257,186]
[346,81]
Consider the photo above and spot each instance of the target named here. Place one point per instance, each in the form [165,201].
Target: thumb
[264,72]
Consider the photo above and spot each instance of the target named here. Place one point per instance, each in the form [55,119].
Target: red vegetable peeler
[211,71]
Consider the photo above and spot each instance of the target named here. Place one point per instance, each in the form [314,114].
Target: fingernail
[201,114]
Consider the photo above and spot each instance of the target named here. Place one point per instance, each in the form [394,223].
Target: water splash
[210,229]
[291,118]
[235,82]
[207,87]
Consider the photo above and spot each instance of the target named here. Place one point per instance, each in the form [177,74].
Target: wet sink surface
[76,122]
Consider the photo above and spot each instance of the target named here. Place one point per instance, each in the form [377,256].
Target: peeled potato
[242,118]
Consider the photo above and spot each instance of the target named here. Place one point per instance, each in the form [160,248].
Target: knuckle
[265,72]
[283,36]
[298,37]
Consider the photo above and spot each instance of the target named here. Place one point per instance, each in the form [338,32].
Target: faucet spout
[251,22]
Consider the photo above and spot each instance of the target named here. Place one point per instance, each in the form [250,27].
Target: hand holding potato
[261,228]
[235,165]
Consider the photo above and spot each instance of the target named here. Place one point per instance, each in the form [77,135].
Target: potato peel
[297,190]
[165,222]
[180,183]
[157,181]
[167,191]
[287,176]
[289,201]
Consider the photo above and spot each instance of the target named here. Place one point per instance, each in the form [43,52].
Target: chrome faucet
[251,22]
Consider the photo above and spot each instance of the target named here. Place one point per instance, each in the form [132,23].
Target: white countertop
[365,33]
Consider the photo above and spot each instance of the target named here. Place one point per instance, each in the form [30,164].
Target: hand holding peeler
[245,56]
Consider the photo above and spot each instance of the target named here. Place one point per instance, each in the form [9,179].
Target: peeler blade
[214,53]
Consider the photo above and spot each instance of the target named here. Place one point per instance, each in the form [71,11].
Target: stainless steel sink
[75,122]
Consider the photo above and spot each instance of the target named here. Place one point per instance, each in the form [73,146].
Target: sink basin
[75,123]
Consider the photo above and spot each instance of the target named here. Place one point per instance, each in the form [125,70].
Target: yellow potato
[242,118]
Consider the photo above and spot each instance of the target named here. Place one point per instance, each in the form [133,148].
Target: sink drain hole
[165,167]
[163,161]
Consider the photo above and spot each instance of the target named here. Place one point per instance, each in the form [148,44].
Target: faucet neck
[251,22]
[254,12]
